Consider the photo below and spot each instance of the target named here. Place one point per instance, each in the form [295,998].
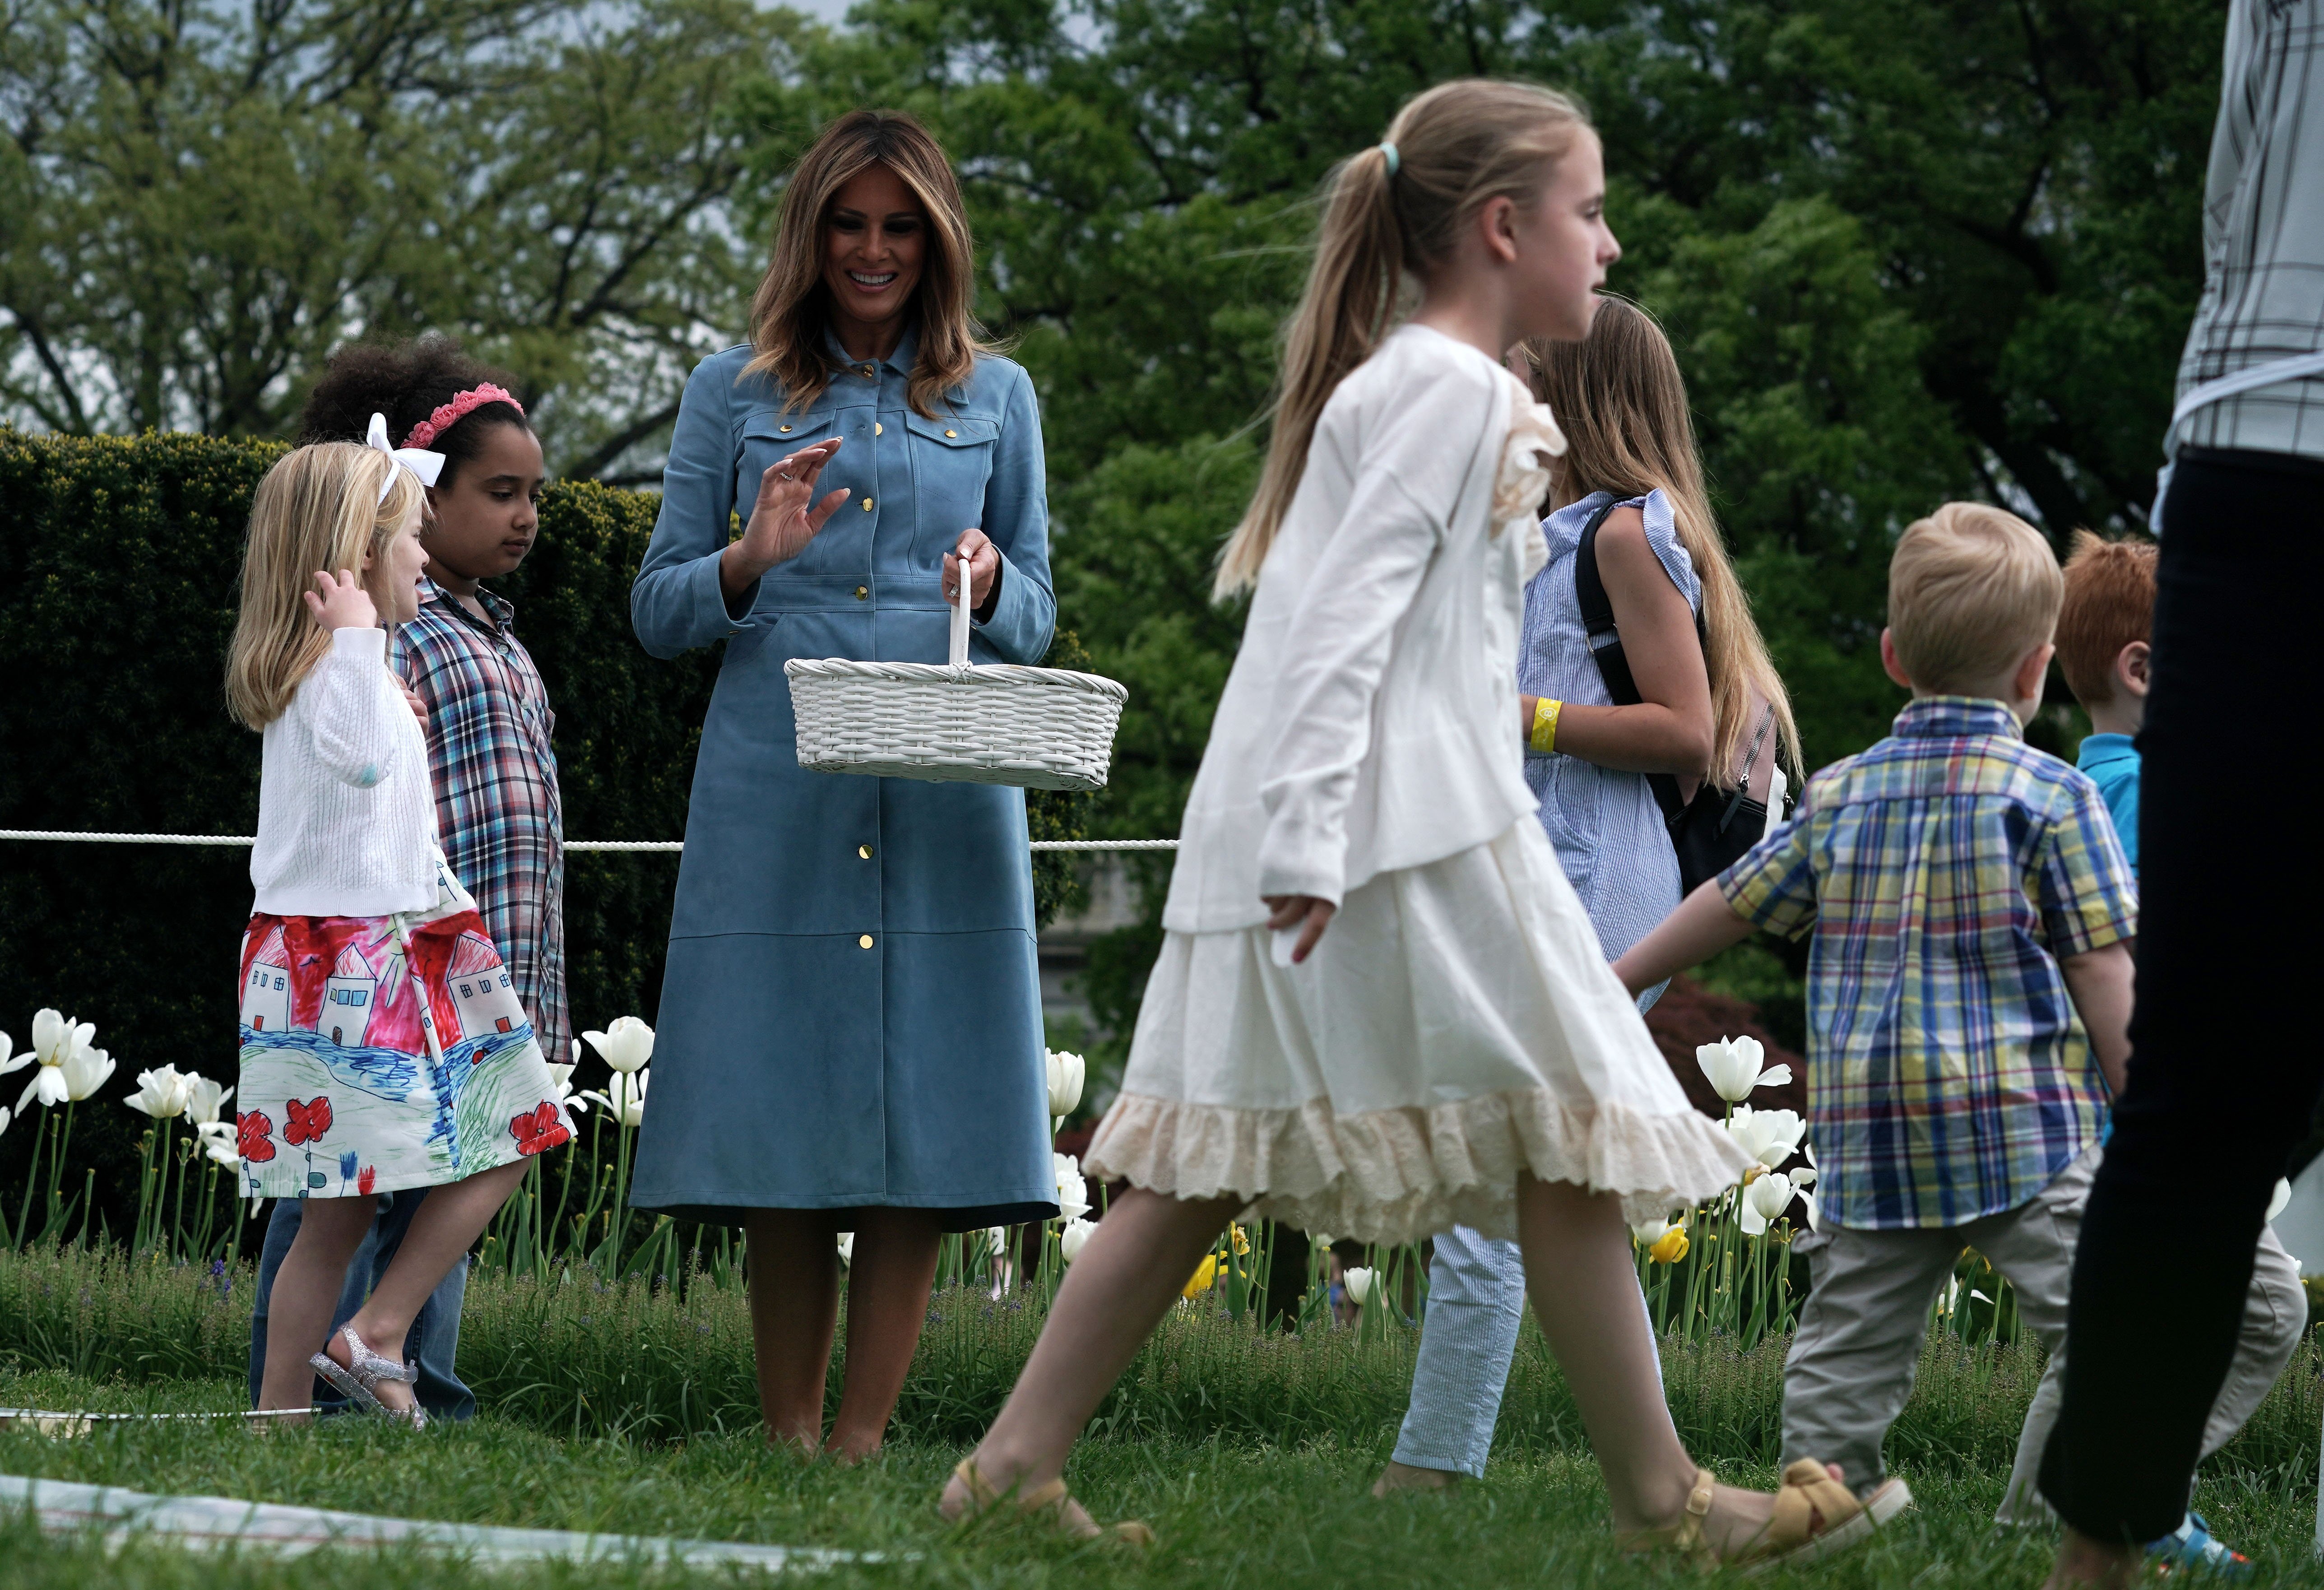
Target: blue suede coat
[852,1012]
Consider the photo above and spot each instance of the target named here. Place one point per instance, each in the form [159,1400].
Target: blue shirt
[2112,763]
[1944,874]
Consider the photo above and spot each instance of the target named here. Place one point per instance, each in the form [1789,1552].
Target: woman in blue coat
[850,1034]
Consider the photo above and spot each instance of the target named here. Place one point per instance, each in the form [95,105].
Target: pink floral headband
[451,413]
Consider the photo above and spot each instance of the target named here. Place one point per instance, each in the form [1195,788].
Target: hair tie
[1388,150]
[425,467]
[452,413]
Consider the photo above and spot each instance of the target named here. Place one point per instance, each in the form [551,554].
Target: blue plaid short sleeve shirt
[497,809]
[1944,874]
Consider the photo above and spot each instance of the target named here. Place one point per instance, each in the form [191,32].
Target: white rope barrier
[69,836]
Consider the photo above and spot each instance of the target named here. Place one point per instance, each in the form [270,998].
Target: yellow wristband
[1543,739]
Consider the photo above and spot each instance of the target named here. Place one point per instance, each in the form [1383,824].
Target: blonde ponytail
[1458,146]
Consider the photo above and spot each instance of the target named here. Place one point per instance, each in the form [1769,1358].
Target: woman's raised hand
[786,516]
[340,602]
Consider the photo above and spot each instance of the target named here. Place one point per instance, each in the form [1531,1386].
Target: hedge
[118,563]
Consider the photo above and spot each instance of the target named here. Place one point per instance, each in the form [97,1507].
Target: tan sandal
[1816,1516]
[1048,1499]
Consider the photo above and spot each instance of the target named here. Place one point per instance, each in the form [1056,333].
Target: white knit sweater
[347,819]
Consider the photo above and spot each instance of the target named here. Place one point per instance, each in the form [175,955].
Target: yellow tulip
[1206,1275]
[1235,1236]
[1670,1248]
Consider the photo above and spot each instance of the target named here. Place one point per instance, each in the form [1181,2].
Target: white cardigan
[1371,721]
[346,817]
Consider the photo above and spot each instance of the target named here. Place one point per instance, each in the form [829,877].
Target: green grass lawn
[1249,1454]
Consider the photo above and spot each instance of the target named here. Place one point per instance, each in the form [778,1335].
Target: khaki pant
[1861,1334]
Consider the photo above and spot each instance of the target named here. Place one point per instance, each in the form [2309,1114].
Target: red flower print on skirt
[307,1121]
[541,1130]
[369,1177]
[251,1130]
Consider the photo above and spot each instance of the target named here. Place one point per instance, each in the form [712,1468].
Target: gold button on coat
[861,592]
[867,504]
[865,942]
[952,433]
[784,428]
[864,851]
[870,370]
[878,429]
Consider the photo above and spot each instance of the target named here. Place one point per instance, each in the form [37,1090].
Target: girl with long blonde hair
[381,1047]
[1709,700]
[1380,1009]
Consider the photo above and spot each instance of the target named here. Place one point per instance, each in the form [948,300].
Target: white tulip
[625,1046]
[847,1247]
[1073,1192]
[1359,1282]
[220,1142]
[6,1116]
[626,1100]
[7,1048]
[204,1099]
[1647,1233]
[1768,1136]
[1067,1071]
[71,1069]
[1764,1200]
[160,1093]
[1070,1240]
[562,1078]
[2278,1199]
[1733,1066]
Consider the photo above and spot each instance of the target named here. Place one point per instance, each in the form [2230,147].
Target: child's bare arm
[2100,982]
[1703,925]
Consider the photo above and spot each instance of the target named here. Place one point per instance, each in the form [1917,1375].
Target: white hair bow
[425,464]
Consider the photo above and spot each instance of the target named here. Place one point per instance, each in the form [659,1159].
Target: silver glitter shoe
[365,1370]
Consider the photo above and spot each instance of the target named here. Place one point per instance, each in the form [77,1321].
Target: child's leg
[888,1281]
[305,1295]
[452,1216]
[1476,1301]
[434,1340]
[1585,1292]
[2032,1246]
[2275,1317]
[1858,1347]
[793,1277]
[1134,1266]
[281,1231]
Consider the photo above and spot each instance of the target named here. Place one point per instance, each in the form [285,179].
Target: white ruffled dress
[1457,1026]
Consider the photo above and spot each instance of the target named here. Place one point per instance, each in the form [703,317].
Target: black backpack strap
[1606,646]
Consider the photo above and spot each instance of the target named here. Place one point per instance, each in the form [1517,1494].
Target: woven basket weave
[1043,728]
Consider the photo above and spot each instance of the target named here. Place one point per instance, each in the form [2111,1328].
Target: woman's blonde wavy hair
[318,509]
[1459,146]
[790,311]
[1619,398]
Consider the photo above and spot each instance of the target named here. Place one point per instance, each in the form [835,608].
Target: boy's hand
[341,602]
[2100,982]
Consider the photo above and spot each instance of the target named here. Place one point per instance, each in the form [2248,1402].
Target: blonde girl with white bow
[1379,1008]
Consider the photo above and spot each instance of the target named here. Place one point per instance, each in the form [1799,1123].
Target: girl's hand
[1291,910]
[411,699]
[983,568]
[786,516]
[341,602]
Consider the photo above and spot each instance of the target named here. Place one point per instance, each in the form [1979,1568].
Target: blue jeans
[435,1337]
[1476,1301]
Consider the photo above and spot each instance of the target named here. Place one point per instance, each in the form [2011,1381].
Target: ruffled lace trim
[1522,483]
[1398,1175]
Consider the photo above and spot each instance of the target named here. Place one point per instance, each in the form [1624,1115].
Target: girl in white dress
[1379,1008]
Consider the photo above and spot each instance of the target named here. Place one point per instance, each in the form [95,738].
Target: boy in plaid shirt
[1969,1000]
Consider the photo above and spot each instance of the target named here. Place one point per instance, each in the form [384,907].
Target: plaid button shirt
[496,805]
[1944,872]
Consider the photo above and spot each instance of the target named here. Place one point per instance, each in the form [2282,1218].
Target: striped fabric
[1943,872]
[495,775]
[2263,233]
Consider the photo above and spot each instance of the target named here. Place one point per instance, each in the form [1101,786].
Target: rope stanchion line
[244,841]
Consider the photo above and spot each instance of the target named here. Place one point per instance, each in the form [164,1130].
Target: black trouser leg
[2218,1093]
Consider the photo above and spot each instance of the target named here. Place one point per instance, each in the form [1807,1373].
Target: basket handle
[960,619]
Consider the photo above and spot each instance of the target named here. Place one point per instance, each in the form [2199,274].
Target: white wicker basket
[1044,728]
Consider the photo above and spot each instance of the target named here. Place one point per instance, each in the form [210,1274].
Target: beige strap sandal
[1683,1539]
[1050,1499]
[1816,1516]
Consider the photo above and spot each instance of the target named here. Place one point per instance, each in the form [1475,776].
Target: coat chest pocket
[951,460]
